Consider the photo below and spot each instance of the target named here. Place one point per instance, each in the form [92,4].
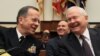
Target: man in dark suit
[82,41]
[27,22]
[45,38]
[52,45]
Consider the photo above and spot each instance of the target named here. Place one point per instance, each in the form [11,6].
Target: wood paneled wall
[50,25]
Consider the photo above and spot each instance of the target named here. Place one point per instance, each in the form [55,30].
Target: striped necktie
[86,51]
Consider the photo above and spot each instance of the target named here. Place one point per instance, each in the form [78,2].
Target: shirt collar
[18,33]
[86,34]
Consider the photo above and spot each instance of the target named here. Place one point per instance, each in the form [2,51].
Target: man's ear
[86,17]
[20,19]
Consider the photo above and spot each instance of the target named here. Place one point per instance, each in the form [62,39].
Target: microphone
[12,49]
[4,52]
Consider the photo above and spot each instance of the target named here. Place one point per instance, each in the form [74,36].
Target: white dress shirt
[18,34]
[87,38]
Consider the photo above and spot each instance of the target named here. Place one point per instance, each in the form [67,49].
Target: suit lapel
[72,44]
[12,35]
[95,41]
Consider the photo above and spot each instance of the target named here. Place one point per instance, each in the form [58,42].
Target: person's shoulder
[4,33]
[70,35]
[7,30]
[53,39]
[94,29]
[33,38]
[3,30]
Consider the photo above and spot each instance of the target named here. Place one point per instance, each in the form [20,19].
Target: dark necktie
[86,48]
[22,38]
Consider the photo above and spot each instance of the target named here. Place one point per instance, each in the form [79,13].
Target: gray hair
[81,10]
[24,10]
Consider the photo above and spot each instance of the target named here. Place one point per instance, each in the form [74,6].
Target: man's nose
[37,23]
[72,20]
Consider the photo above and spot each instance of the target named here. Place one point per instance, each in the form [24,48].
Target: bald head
[62,22]
[62,28]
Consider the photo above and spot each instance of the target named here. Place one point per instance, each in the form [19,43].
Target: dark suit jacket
[71,47]
[52,47]
[9,41]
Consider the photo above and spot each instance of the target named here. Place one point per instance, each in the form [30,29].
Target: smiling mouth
[74,25]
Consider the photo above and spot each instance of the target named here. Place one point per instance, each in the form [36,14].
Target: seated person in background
[19,41]
[45,37]
[62,29]
[52,45]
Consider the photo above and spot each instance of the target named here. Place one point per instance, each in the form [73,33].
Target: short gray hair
[81,10]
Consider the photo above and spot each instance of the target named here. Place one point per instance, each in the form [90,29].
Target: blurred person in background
[45,37]
[52,48]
